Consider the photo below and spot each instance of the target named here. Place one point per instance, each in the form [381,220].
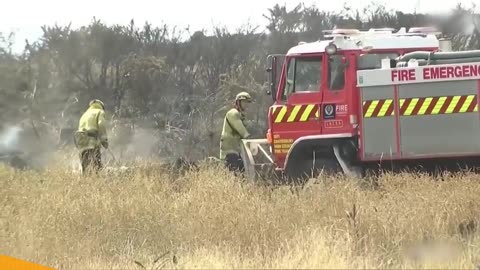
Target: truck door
[335,99]
[296,110]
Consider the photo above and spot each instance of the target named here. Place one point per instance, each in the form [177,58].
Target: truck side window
[336,73]
[303,75]
[289,84]
[373,60]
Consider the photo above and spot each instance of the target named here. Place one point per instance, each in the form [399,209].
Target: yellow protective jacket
[92,130]
[232,133]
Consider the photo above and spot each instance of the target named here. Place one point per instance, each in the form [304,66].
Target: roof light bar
[423,30]
[342,31]
[385,29]
[413,31]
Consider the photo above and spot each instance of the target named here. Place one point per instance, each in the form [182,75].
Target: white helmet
[97,101]
[243,96]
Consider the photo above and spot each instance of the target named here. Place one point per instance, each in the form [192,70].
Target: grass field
[210,219]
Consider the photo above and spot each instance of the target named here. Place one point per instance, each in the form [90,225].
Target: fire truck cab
[330,113]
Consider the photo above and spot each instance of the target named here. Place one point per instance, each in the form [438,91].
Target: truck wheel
[304,169]
[18,163]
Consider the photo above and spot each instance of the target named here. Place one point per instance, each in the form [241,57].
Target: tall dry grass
[210,219]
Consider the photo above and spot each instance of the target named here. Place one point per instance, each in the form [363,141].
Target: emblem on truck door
[329,110]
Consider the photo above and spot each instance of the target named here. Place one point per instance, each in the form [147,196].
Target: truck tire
[304,169]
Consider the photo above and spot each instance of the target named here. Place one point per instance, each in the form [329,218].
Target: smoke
[145,143]
[9,139]
[9,147]
[133,144]
[21,144]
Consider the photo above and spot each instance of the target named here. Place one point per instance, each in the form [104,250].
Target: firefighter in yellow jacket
[233,132]
[91,136]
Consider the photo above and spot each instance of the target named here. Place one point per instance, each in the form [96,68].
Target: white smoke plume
[9,139]
[19,142]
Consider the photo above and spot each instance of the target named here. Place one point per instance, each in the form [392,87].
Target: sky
[25,17]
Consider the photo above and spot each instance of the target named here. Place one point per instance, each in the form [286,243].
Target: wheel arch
[302,143]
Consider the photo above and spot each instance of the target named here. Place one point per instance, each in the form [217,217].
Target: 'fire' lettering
[403,75]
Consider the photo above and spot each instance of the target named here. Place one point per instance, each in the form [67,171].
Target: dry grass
[210,219]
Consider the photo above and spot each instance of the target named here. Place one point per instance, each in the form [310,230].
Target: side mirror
[267,86]
[274,67]
[345,62]
[269,91]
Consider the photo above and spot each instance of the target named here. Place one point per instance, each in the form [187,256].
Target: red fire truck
[363,98]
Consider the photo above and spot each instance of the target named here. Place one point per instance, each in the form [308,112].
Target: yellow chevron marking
[453,104]
[317,113]
[294,113]
[439,105]
[371,108]
[281,114]
[411,106]
[425,105]
[307,112]
[383,110]
[467,103]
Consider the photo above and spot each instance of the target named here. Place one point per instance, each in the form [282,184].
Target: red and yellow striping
[295,113]
[421,106]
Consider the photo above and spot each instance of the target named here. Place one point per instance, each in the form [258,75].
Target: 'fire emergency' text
[432,73]
[451,72]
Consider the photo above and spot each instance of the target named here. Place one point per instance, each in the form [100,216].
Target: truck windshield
[303,75]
